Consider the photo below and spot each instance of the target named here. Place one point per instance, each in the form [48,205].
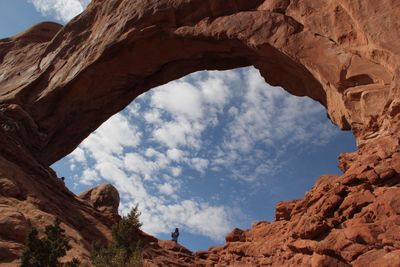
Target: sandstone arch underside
[58,84]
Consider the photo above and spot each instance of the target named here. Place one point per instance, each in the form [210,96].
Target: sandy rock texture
[59,83]
[105,198]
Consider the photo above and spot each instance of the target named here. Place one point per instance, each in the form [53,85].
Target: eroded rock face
[58,84]
[104,197]
[341,53]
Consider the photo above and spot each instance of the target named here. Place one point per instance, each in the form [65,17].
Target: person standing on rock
[175,235]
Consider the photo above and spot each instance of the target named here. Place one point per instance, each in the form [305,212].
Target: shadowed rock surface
[58,84]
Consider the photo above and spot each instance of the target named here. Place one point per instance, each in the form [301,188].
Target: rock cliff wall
[58,84]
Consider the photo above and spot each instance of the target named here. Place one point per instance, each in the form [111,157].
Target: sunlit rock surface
[58,84]
[105,198]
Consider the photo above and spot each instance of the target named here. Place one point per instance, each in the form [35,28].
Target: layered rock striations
[59,83]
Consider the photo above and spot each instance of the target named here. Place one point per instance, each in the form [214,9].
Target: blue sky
[206,153]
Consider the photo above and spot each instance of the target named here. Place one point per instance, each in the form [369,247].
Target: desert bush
[45,251]
[125,247]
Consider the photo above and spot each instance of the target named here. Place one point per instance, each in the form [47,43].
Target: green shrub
[125,247]
[45,252]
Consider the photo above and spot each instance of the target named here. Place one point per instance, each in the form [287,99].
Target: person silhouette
[175,235]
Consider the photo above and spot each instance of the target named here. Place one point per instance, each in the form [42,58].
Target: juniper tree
[124,249]
[44,252]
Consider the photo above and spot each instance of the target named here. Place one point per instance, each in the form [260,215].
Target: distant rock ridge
[58,84]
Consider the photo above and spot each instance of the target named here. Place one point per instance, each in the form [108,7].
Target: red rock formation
[58,84]
[105,198]
[345,220]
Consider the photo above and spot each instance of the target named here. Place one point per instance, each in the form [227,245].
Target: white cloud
[72,167]
[137,164]
[175,154]
[209,221]
[153,116]
[182,110]
[179,133]
[78,155]
[200,218]
[63,10]
[113,153]
[180,99]
[116,134]
[199,164]
[151,152]
[214,91]
[89,177]
[167,188]
[227,122]
[175,171]
[264,124]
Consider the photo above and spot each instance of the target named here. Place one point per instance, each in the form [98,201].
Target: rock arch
[58,84]
[69,80]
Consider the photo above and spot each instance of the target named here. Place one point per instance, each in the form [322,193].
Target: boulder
[104,197]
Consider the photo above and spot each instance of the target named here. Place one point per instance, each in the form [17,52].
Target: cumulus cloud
[168,188]
[137,164]
[179,99]
[220,124]
[63,10]
[199,164]
[149,176]
[182,110]
[153,116]
[264,125]
[78,155]
[179,133]
[175,171]
[89,177]
[115,135]
[175,154]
